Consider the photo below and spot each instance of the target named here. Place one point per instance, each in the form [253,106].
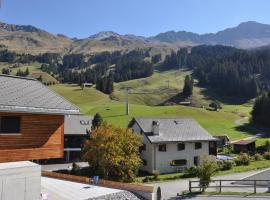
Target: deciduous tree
[113,152]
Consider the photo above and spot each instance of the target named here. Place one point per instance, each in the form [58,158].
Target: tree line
[102,69]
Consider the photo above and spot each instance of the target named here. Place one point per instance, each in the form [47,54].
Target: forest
[102,69]
[227,70]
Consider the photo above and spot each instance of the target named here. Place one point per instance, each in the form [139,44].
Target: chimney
[155,127]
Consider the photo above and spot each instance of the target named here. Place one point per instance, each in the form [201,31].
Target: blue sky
[81,18]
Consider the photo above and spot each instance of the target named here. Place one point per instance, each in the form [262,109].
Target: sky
[82,18]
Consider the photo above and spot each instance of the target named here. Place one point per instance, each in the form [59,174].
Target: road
[231,197]
[170,189]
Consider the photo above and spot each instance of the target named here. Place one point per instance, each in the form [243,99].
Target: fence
[252,184]
[142,190]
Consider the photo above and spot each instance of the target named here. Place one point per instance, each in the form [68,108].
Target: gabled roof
[173,130]
[77,124]
[243,142]
[18,94]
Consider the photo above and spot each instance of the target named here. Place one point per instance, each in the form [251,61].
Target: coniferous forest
[227,70]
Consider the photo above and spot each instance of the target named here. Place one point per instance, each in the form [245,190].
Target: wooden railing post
[189,185]
[220,186]
[255,186]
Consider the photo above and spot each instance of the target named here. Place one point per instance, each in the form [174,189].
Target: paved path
[170,189]
[259,133]
[226,197]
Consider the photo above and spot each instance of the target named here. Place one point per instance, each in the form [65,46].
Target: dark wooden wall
[41,137]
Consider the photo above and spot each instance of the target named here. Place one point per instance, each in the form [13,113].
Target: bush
[242,159]
[191,172]
[225,164]
[258,157]
[156,174]
[146,179]
[266,155]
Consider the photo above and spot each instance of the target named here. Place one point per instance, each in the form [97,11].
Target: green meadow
[151,91]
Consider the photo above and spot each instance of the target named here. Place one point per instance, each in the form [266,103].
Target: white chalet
[172,144]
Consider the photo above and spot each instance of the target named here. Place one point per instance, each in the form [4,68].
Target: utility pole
[168,83]
[127,89]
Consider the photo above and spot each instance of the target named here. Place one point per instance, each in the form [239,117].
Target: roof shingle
[18,94]
[174,130]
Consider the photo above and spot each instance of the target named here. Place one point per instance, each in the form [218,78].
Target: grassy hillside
[91,101]
[34,69]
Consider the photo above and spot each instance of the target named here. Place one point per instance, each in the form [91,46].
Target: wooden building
[244,146]
[222,140]
[31,120]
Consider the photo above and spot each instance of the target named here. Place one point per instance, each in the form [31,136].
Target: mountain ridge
[30,39]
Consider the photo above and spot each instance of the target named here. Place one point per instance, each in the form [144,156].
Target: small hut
[244,146]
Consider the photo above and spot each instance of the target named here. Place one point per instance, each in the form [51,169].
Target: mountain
[29,39]
[246,35]
[109,41]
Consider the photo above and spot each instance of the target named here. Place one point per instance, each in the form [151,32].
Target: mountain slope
[245,35]
[29,39]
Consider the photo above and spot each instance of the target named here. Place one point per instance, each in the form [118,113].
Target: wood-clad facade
[40,136]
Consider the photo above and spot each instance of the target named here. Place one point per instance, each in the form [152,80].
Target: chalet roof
[174,130]
[77,124]
[19,94]
[243,142]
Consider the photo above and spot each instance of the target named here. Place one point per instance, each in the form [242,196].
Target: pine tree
[97,121]
[188,86]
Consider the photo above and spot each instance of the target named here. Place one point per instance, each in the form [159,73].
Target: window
[10,124]
[198,145]
[181,162]
[144,162]
[181,146]
[196,161]
[142,148]
[162,147]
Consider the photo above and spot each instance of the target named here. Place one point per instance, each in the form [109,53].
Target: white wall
[20,181]
[148,154]
[163,158]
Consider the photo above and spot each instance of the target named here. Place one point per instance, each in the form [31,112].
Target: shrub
[225,164]
[146,179]
[242,159]
[258,157]
[206,171]
[191,172]
[156,174]
[266,155]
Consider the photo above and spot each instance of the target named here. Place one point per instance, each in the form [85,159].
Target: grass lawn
[34,69]
[254,165]
[92,101]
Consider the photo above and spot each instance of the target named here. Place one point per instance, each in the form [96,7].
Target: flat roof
[68,190]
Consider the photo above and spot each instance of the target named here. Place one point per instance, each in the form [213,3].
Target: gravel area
[125,195]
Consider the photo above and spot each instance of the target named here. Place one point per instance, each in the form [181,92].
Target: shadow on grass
[211,94]
[253,129]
